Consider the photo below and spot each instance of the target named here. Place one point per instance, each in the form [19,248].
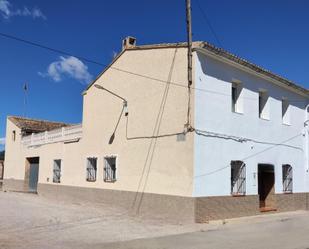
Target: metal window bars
[91,169]
[57,171]
[238,178]
[287,178]
[110,169]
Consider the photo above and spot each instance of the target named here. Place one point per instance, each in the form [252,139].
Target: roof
[36,125]
[218,52]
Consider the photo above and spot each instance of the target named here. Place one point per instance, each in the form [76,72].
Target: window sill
[287,193]
[265,119]
[286,124]
[239,113]
[238,195]
[110,181]
[90,180]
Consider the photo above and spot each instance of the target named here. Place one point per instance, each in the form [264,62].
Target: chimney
[128,42]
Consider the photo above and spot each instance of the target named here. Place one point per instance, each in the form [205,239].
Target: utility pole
[189,41]
[189,37]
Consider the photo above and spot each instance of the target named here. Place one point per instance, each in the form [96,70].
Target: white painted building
[246,151]
[270,135]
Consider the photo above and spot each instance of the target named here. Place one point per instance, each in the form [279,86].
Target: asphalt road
[286,231]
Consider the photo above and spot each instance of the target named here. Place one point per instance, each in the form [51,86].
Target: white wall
[213,113]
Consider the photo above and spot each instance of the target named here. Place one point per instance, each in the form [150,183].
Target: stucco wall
[213,113]
[161,166]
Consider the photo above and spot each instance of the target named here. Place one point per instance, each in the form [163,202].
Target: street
[30,221]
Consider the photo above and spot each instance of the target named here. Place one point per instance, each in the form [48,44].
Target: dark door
[266,186]
[33,177]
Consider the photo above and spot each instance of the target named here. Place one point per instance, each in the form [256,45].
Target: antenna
[25,88]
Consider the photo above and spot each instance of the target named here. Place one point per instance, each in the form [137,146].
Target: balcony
[64,134]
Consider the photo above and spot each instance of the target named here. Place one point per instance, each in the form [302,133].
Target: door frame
[266,187]
[27,184]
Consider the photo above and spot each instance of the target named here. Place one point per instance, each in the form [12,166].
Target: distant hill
[2,155]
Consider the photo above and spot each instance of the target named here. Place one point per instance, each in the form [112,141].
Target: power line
[250,156]
[49,48]
[208,23]
[178,84]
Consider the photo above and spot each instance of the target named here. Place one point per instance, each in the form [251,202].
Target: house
[234,144]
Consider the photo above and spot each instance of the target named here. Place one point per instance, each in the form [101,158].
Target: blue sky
[273,34]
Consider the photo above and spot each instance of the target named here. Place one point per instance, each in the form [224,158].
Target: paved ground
[284,231]
[33,222]
[30,221]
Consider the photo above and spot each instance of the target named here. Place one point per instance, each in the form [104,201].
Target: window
[263,110]
[91,169]
[14,135]
[287,178]
[238,178]
[57,171]
[236,90]
[110,169]
[285,111]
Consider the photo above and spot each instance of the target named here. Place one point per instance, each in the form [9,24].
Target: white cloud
[68,67]
[2,141]
[5,9]
[7,12]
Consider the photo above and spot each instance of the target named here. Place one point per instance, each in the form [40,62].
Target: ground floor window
[57,171]
[110,169]
[91,169]
[238,178]
[287,178]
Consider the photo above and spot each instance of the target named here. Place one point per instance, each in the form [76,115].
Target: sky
[273,34]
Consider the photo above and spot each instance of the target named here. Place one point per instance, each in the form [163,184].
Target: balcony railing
[64,134]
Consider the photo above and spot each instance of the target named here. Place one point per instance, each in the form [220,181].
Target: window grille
[238,178]
[57,171]
[91,169]
[110,169]
[287,178]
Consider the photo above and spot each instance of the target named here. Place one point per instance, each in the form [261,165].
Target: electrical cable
[208,23]
[183,85]
[248,157]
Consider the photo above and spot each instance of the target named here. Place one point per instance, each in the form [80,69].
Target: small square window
[263,105]
[238,178]
[14,135]
[235,94]
[57,171]
[110,169]
[285,111]
[287,178]
[91,169]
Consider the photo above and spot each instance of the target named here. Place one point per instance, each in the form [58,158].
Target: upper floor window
[263,104]
[235,94]
[287,178]
[14,135]
[238,178]
[91,169]
[110,169]
[285,111]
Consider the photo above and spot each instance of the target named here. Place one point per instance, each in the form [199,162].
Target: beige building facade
[133,148]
